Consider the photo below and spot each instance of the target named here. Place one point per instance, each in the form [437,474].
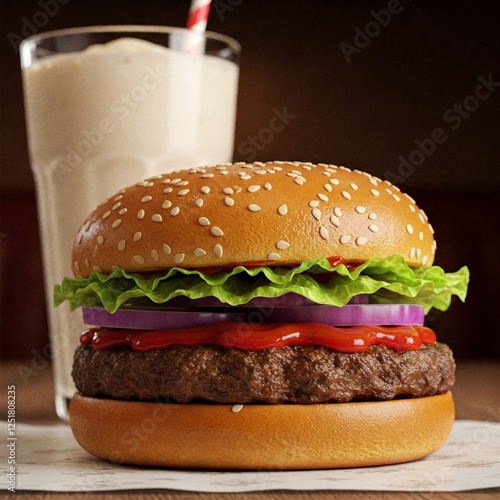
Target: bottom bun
[271,437]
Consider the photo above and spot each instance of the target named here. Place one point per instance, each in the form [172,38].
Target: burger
[260,316]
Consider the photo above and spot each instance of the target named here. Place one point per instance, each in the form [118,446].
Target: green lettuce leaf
[386,280]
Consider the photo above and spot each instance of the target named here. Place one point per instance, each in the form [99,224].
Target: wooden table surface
[476,394]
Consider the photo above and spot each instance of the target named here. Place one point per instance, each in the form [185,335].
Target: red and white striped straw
[198,15]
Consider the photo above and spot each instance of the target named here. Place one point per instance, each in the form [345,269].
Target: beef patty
[292,374]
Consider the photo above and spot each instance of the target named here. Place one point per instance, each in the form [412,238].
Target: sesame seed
[421,217]
[372,216]
[166,204]
[373,181]
[337,212]
[245,177]
[199,202]
[116,223]
[97,269]
[165,181]
[316,213]
[274,256]
[396,197]
[236,408]
[119,197]
[87,263]
[360,209]
[199,252]
[205,189]
[140,214]
[166,249]
[156,218]
[299,180]
[431,229]
[322,197]
[328,187]
[282,209]
[175,211]
[139,259]
[421,236]
[260,172]
[345,238]
[335,220]
[412,252]
[100,239]
[388,191]
[346,195]
[203,221]
[424,260]
[374,192]
[178,258]
[168,190]
[228,201]
[145,199]
[182,183]
[218,251]
[77,266]
[328,174]
[183,192]
[323,232]
[105,215]
[116,205]
[419,253]
[137,236]
[282,245]
[361,240]
[268,185]
[314,203]
[121,245]
[155,256]
[354,186]
[412,208]
[409,228]
[335,181]
[176,180]
[228,190]
[253,188]
[216,231]
[373,228]
[253,207]
[123,211]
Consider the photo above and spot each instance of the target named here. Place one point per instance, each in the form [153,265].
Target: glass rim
[131,28]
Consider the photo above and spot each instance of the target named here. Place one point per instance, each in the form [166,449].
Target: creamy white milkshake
[104,118]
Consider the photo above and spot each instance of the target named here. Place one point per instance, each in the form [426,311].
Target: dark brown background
[363,114]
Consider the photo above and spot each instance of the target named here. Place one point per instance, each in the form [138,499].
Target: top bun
[275,213]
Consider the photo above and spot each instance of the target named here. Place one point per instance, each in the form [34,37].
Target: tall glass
[106,107]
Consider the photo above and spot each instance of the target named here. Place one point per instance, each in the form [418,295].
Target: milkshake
[103,118]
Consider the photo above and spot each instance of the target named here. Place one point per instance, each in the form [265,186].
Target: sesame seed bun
[277,437]
[277,213]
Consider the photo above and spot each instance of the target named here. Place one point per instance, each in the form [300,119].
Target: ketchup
[253,337]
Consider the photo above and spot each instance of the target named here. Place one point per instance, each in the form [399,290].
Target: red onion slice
[350,315]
